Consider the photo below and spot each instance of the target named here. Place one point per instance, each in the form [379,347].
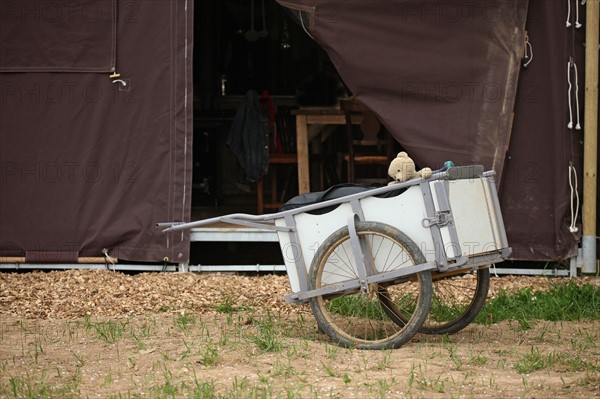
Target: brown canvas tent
[91,162]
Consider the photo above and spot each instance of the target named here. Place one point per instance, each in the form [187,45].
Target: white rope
[577,24]
[568,23]
[109,259]
[574,196]
[571,65]
[570,124]
[528,52]
[578,125]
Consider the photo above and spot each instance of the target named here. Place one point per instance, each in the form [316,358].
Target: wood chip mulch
[102,293]
[76,293]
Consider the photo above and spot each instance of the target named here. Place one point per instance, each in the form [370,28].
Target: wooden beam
[590,129]
[82,260]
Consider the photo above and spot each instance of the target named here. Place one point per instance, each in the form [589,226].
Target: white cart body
[455,223]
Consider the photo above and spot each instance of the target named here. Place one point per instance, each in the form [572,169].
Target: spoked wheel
[457,298]
[358,319]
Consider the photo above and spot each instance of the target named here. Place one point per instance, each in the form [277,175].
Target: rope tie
[568,21]
[528,52]
[571,64]
[574,198]
[578,125]
[109,260]
[577,24]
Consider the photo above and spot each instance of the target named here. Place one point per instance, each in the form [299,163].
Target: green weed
[209,355]
[227,306]
[109,331]
[184,322]
[267,338]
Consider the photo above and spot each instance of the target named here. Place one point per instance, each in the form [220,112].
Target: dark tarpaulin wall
[442,76]
[67,37]
[87,163]
[535,194]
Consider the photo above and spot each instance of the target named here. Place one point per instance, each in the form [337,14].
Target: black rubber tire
[472,287]
[363,322]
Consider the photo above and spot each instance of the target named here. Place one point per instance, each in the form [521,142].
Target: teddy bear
[402,168]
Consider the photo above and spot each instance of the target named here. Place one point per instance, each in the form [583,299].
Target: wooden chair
[276,161]
[371,149]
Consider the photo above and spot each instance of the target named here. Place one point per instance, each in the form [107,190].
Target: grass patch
[30,386]
[566,302]
[536,360]
[357,306]
[442,311]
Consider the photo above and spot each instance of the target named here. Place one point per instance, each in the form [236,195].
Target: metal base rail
[256,235]
[258,268]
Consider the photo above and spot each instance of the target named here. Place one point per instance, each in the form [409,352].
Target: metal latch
[441,218]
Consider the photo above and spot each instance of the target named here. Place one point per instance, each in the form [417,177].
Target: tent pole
[590,160]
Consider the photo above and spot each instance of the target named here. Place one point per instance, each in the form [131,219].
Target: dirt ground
[104,334]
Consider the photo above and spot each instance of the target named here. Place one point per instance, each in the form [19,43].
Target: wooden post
[302,150]
[590,127]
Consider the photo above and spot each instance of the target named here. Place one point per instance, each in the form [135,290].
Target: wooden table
[313,116]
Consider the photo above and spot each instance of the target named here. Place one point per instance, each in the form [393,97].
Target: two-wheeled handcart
[378,266]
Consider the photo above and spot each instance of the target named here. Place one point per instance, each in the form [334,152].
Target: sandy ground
[212,332]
